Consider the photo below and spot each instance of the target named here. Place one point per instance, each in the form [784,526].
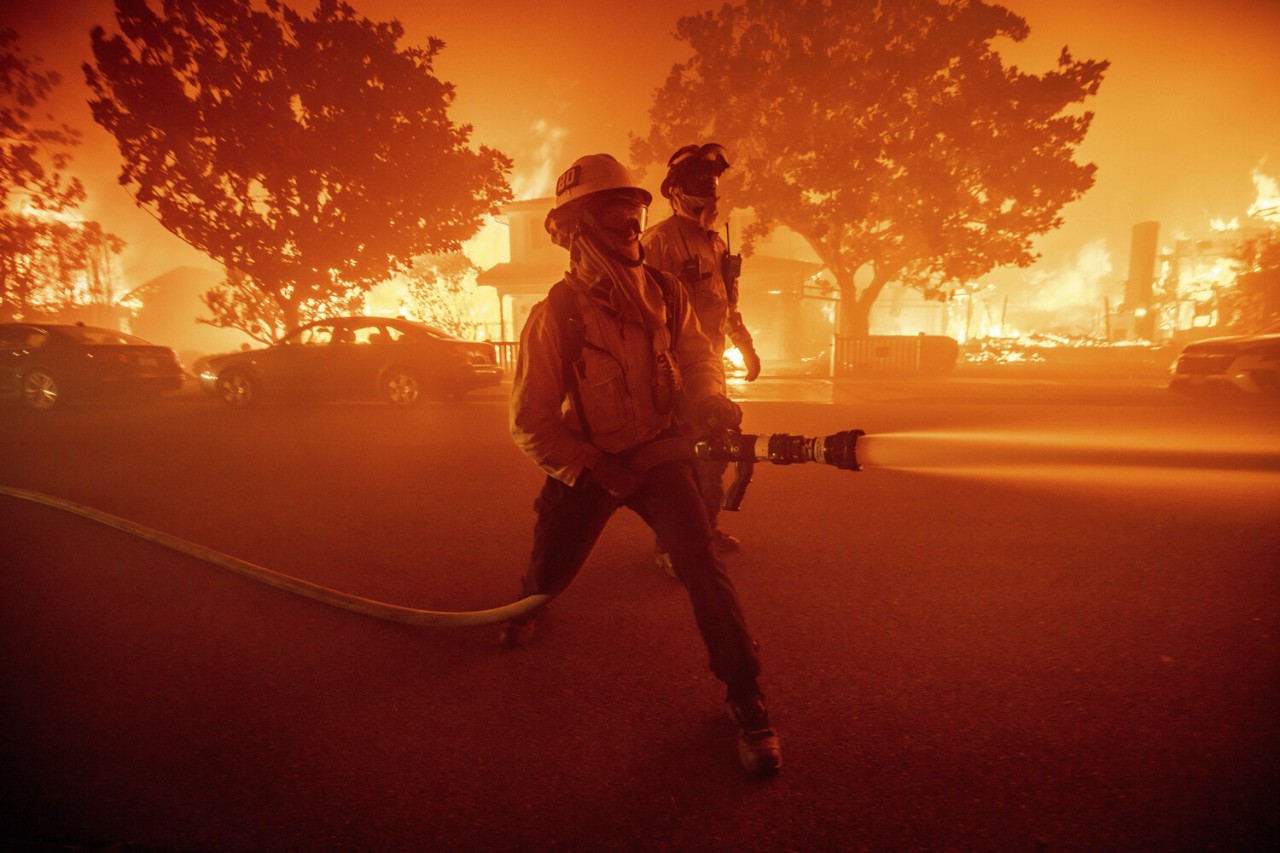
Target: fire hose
[838,450]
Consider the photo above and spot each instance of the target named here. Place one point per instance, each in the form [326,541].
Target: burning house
[1196,278]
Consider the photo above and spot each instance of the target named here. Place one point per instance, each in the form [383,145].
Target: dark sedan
[395,360]
[45,364]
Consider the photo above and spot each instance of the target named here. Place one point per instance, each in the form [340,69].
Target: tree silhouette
[311,156]
[34,151]
[439,286]
[50,259]
[890,136]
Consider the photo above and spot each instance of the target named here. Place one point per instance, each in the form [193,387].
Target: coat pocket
[709,298]
[603,387]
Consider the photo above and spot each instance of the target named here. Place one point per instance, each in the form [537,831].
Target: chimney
[1142,266]
[1142,275]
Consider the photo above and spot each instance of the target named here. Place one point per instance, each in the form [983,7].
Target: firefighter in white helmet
[687,246]
[607,363]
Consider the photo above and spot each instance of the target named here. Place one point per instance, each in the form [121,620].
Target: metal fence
[894,355]
[506,352]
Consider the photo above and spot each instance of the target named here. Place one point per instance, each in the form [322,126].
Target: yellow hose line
[368,607]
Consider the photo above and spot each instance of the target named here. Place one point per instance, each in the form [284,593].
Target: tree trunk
[855,307]
[855,314]
[289,311]
[6,312]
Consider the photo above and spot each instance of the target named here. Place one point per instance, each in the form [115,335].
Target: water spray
[962,450]
[1237,470]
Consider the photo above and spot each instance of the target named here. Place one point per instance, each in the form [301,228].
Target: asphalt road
[1044,618]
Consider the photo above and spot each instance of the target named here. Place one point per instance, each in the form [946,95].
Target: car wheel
[40,389]
[401,386]
[237,389]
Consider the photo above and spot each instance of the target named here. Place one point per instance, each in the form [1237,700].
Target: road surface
[1046,620]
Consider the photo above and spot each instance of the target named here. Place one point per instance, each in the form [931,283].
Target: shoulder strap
[573,335]
[672,291]
[573,332]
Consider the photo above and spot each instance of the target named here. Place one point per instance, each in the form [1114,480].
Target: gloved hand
[614,477]
[711,414]
[750,359]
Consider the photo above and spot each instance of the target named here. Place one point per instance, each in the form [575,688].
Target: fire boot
[758,747]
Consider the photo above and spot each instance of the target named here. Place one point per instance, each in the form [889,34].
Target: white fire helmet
[589,175]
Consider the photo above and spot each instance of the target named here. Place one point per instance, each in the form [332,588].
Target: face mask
[594,261]
[701,209]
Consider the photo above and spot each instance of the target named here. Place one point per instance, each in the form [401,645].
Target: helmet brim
[571,209]
[637,194]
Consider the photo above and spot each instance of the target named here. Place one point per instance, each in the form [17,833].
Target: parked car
[44,365]
[398,361]
[1238,363]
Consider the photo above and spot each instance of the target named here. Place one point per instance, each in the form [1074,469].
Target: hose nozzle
[838,449]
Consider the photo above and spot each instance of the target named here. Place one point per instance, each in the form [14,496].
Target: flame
[1266,205]
[67,217]
[491,245]
[1083,282]
[1189,289]
[538,180]
[1068,296]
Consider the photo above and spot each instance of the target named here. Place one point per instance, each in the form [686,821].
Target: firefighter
[606,363]
[687,246]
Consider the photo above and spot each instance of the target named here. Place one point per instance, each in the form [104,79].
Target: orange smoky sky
[1185,117]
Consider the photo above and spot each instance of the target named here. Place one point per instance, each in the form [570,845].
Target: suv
[1239,363]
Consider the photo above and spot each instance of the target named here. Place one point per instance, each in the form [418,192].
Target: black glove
[750,360]
[614,477]
[711,414]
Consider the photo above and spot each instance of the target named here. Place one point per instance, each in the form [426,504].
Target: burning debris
[1038,348]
